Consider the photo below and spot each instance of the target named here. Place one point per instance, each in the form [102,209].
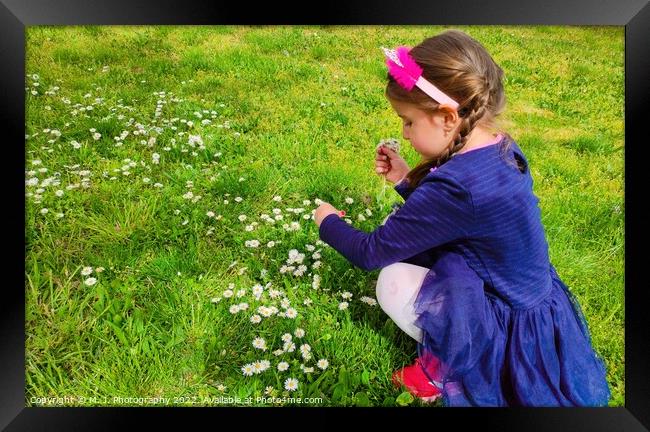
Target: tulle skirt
[481,352]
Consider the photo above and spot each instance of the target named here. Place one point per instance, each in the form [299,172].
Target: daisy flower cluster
[87,273]
[289,345]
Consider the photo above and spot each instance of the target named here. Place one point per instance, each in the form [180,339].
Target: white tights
[397,288]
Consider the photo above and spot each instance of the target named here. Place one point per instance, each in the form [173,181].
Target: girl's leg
[397,288]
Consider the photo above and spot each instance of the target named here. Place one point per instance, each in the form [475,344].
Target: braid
[479,106]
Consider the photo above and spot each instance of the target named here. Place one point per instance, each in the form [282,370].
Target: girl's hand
[390,164]
[323,211]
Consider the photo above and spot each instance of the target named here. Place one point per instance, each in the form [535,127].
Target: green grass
[295,112]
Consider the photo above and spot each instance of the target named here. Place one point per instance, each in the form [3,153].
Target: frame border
[15,15]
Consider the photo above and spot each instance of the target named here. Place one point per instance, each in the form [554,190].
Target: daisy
[258,290]
[291,313]
[215,299]
[343,305]
[349,200]
[277,198]
[239,199]
[86,271]
[59,193]
[243,306]
[322,364]
[299,332]
[241,293]
[270,244]
[291,384]
[368,300]
[234,309]
[259,343]
[289,347]
[258,367]
[90,281]
[248,370]
[346,295]
[305,348]
[286,337]
[283,366]
[278,352]
[228,293]
[256,319]
[210,214]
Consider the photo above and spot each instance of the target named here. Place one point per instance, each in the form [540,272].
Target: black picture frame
[15,15]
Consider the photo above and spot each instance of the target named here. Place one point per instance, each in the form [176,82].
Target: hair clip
[408,73]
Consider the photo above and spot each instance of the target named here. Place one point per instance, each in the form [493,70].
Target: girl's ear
[451,117]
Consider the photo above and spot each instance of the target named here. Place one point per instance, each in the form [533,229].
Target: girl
[466,269]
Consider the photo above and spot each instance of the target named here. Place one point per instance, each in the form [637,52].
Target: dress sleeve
[404,188]
[438,211]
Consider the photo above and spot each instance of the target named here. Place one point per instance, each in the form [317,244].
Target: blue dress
[499,326]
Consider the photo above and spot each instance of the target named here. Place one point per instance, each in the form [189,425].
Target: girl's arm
[439,211]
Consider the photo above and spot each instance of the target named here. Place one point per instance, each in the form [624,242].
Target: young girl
[466,269]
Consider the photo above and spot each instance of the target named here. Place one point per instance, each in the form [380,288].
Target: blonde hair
[462,68]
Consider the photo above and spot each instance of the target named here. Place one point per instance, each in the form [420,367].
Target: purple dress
[500,328]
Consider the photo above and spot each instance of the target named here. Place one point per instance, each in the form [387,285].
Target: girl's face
[429,133]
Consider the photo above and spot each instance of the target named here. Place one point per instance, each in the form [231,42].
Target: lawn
[171,174]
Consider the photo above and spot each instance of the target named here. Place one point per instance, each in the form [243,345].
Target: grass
[294,112]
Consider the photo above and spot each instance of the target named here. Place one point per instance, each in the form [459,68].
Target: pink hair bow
[408,73]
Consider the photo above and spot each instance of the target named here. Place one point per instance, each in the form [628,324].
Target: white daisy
[283,366]
[322,364]
[291,384]
[258,290]
[291,313]
[248,370]
[259,343]
[256,319]
[90,281]
[86,271]
[349,200]
[286,337]
[343,305]
[299,332]
[234,309]
[289,347]
[228,293]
